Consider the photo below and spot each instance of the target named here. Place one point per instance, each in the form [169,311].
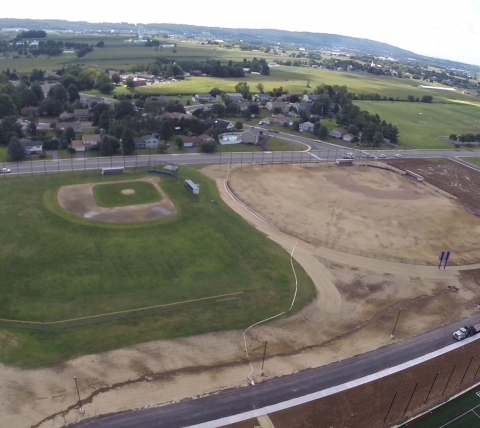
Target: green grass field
[110,195]
[462,412]
[474,160]
[424,124]
[57,266]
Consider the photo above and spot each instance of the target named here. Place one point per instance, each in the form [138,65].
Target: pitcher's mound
[79,200]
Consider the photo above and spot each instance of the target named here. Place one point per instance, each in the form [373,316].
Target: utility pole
[392,336]
[80,410]
[263,361]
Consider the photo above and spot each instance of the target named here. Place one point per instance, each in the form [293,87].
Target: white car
[398,155]
[5,171]
[382,156]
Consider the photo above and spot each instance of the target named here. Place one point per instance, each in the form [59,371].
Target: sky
[449,30]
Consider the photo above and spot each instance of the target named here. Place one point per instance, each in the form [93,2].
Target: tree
[242,88]
[116,79]
[277,110]
[322,132]
[162,147]
[208,146]
[179,143]
[247,114]
[9,128]
[352,129]
[453,137]
[7,106]
[51,107]
[411,98]
[104,120]
[28,99]
[427,99]
[123,109]
[215,92]
[38,91]
[377,139]
[254,108]
[166,130]
[73,93]
[130,82]
[260,88]
[15,151]
[106,148]
[69,134]
[127,142]
[58,92]
[239,125]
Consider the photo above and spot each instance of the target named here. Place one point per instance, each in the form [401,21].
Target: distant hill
[305,39]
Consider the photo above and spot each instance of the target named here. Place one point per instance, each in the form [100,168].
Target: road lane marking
[265,421]
[315,156]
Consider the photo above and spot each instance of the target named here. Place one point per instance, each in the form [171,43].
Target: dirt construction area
[79,200]
[357,303]
[360,208]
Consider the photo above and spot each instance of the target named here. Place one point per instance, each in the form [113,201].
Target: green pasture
[110,195]
[57,266]
[462,412]
[473,160]
[424,124]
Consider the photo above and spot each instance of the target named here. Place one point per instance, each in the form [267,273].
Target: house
[160,98]
[31,146]
[66,116]
[262,98]
[309,98]
[306,127]
[78,145]
[224,125]
[146,142]
[278,121]
[24,123]
[81,113]
[91,141]
[337,133]
[284,107]
[174,115]
[191,141]
[348,137]
[205,137]
[204,98]
[251,136]
[306,107]
[234,96]
[77,126]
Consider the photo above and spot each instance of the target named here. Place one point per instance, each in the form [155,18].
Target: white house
[251,136]
[78,146]
[337,133]
[348,137]
[234,96]
[204,98]
[146,142]
[306,127]
[31,146]
[91,141]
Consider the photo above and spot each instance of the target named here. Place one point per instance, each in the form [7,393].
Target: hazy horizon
[407,24]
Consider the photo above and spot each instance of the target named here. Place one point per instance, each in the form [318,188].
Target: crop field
[57,266]
[424,124]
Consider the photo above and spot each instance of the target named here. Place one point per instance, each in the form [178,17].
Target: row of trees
[465,138]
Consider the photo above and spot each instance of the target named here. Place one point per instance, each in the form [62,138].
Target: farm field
[422,125]
[203,250]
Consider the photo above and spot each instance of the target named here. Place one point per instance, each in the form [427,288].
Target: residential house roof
[223,124]
[65,115]
[173,115]
[29,143]
[205,137]
[77,144]
[93,137]
[234,95]
[340,130]
[81,112]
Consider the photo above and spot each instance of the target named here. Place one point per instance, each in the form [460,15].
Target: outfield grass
[110,195]
[424,124]
[448,413]
[57,266]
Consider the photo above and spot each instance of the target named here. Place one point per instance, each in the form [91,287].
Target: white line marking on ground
[458,417]
[476,414]
[315,156]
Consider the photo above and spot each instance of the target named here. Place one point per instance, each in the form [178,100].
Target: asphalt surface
[230,402]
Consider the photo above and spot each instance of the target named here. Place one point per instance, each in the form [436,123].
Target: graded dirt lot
[79,200]
[359,208]
[450,176]
[357,304]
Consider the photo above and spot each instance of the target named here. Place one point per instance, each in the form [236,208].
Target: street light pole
[80,410]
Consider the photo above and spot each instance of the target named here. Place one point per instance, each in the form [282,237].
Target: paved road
[227,403]
[320,152]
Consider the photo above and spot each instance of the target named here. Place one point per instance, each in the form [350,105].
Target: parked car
[382,156]
[397,155]
[276,132]
[5,171]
